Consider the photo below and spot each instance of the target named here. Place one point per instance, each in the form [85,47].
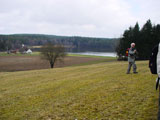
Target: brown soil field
[21,63]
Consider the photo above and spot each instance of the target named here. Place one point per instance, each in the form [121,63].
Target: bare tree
[53,53]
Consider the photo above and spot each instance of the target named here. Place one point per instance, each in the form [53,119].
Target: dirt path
[20,63]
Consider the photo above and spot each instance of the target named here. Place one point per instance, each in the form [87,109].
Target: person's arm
[131,52]
[135,51]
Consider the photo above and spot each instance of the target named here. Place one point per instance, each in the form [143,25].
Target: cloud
[94,18]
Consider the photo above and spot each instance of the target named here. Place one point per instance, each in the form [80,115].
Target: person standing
[131,59]
[154,65]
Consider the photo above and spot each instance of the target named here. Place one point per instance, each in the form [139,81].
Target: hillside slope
[71,43]
[98,91]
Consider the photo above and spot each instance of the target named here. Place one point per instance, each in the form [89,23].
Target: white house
[29,51]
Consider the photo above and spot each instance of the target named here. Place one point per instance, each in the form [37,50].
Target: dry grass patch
[98,91]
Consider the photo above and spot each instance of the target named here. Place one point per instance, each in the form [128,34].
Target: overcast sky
[90,18]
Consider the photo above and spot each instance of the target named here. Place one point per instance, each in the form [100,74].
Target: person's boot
[135,72]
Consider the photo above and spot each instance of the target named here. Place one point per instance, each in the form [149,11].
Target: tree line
[72,44]
[145,39]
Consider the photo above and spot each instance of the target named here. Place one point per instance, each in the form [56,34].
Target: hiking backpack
[153,60]
[127,51]
[153,63]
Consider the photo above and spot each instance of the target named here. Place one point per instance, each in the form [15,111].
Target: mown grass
[90,92]
[103,60]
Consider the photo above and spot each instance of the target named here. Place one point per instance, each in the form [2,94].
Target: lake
[109,54]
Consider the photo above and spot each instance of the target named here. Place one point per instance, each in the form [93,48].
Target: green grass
[19,54]
[91,92]
[38,53]
[103,60]
[93,56]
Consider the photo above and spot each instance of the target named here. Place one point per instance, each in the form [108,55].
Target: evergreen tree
[145,39]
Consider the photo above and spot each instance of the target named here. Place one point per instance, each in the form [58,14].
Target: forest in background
[72,44]
[145,39]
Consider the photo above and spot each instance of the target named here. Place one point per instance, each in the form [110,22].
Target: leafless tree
[53,53]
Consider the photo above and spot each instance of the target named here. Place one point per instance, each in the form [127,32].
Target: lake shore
[104,54]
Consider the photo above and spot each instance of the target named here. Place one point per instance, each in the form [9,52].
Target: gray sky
[90,18]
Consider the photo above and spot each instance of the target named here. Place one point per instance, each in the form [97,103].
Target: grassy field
[38,54]
[90,92]
[19,54]
[23,62]
[91,56]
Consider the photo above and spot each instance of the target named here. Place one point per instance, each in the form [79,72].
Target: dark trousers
[130,65]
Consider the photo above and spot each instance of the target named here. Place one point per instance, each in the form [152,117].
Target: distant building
[29,51]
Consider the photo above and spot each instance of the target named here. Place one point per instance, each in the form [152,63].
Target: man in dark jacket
[131,59]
